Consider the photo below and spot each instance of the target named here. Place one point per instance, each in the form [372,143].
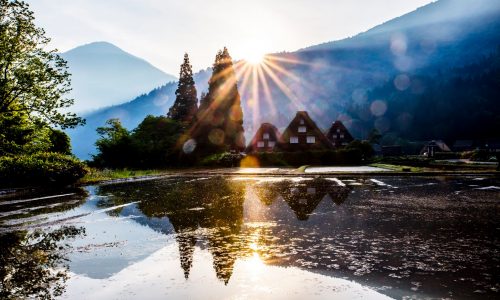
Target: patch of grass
[302,169]
[398,168]
[98,175]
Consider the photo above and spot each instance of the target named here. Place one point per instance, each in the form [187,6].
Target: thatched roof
[274,136]
[302,119]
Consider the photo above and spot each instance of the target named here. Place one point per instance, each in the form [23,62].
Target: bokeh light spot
[189,146]
[249,162]
[216,136]
[402,82]
[378,108]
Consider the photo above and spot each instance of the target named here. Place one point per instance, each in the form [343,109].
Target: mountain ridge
[104,74]
[346,72]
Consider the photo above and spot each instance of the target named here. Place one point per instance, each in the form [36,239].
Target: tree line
[188,132]
[34,83]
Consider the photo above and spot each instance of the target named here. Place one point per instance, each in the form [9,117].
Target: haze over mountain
[104,75]
[378,79]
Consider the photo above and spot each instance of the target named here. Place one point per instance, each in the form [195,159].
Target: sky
[161,31]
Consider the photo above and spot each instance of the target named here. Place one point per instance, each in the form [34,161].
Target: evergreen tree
[220,116]
[186,103]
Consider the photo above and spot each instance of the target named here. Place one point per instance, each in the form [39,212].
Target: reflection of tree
[24,210]
[216,205]
[211,210]
[186,242]
[303,197]
[30,263]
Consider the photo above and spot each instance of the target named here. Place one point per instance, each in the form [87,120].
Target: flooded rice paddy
[244,237]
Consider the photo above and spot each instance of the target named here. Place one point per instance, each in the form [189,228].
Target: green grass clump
[397,168]
[98,175]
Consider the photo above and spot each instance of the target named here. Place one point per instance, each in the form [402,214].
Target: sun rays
[257,74]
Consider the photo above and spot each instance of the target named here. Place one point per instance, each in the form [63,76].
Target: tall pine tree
[220,117]
[185,106]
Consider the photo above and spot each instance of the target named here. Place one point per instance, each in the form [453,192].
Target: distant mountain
[104,75]
[349,79]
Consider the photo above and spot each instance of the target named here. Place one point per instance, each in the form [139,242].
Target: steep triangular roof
[339,125]
[274,135]
[321,143]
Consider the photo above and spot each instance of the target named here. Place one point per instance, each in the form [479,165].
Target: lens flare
[255,57]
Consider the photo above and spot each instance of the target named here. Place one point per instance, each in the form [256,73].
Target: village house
[303,134]
[266,139]
[433,147]
[338,135]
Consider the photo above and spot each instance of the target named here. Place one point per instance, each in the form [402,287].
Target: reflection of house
[433,147]
[302,197]
[338,135]
[267,138]
[303,134]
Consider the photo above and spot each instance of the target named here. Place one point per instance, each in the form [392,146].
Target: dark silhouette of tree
[153,143]
[374,136]
[60,142]
[186,102]
[219,125]
[113,146]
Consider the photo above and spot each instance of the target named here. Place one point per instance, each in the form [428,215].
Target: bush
[225,159]
[346,156]
[480,155]
[446,155]
[40,169]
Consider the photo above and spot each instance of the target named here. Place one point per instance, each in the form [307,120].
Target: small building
[303,134]
[338,135]
[266,139]
[434,147]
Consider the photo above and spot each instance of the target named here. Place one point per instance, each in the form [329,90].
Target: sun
[255,57]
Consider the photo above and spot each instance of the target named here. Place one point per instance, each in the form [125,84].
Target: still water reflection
[261,237]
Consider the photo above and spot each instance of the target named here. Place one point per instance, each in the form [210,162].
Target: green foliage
[364,147]
[114,145]
[40,169]
[60,142]
[33,80]
[345,156]
[19,135]
[30,263]
[98,175]
[374,136]
[155,141]
[225,159]
[185,106]
[481,155]
[152,144]
[219,122]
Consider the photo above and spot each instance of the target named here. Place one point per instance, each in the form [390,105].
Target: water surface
[257,237]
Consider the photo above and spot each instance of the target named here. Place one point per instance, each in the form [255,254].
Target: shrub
[225,159]
[40,169]
[346,156]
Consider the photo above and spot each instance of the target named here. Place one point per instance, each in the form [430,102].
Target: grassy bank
[96,175]
[397,168]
